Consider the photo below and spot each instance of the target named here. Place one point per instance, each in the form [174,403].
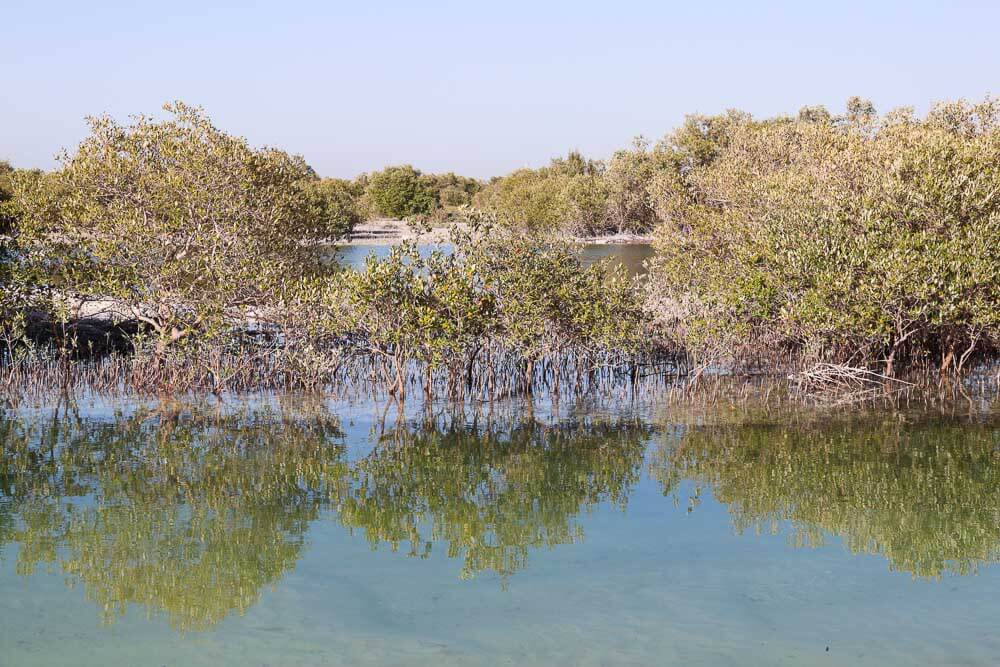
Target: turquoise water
[631,255]
[299,532]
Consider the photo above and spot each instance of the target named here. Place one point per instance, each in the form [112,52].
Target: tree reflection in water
[924,494]
[191,510]
[491,495]
[186,510]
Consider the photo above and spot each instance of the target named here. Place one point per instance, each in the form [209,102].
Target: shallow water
[630,255]
[269,531]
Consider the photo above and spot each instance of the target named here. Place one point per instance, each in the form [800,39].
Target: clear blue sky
[474,87]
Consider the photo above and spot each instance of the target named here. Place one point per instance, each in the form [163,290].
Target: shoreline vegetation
[389,231]
[848,257]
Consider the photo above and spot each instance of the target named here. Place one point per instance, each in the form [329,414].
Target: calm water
[630,255]
[299,532]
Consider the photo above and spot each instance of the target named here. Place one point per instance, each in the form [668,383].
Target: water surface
[266,531]
[631,255]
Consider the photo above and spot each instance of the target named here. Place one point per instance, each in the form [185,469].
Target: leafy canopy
[179,221]
[400,192]
[854,236]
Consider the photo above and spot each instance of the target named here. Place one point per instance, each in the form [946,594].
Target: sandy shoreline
[394,232]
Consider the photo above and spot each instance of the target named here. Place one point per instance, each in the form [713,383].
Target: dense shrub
[546,300]
[182,225]
[497,291]
[9,310]
[399,192]
[8,217]
[452,190]
[402,192]
[569,195]
[854,237]
[523,199]
[18,292]
[338,205]
[7,214]
[410,307]
[628,180]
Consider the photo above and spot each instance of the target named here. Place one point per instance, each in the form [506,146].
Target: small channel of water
[631,255]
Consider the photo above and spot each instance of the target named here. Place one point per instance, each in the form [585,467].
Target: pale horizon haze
[475,88]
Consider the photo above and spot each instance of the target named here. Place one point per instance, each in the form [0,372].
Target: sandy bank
[393,232]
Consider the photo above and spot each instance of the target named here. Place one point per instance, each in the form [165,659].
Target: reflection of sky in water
[631,255]
[650,584]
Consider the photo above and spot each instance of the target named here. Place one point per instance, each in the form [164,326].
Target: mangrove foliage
[863,243]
